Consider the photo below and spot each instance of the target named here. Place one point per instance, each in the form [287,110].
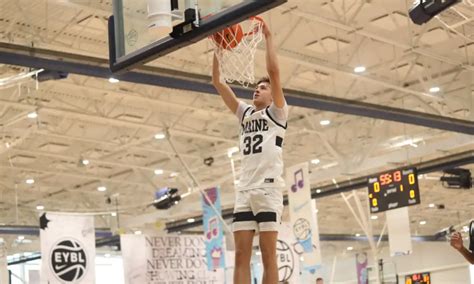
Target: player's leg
[268,241]
[244,226]
[243,253]
[268,204]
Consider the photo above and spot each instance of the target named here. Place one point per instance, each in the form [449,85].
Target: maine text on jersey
[256,125]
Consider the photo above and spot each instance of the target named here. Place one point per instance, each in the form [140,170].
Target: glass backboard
[138,31]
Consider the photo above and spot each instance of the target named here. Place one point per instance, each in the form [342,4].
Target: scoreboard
[393,189]
[418,278]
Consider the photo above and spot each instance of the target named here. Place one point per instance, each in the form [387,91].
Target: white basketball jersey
[261,141]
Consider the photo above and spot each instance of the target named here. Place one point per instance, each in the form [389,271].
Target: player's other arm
[226,93]
[456,242]
[273,69]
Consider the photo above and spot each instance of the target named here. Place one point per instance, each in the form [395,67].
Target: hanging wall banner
[67,248]
[287,258]
[361,267]
[399,236]
[303,215]
[167,259]
[213,231]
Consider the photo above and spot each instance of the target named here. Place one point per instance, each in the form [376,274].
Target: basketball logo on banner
[285,260]
[68,260]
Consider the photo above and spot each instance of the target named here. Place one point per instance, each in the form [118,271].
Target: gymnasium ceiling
[319,44]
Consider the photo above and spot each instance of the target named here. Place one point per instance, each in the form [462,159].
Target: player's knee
[242,256]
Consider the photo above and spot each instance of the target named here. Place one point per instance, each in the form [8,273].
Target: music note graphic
[299,182]
[212,230]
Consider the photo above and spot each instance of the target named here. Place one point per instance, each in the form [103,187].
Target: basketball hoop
[235,49]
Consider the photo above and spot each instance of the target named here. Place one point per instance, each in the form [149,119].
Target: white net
[235,49]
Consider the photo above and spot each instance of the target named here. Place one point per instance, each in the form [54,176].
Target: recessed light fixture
[101,188]
[423,222]
[350,248]
[359,69]
[318,190]
[158,172]
[357,235]
[30,181]
[173,174]
[160,136]
[39,207]
[431,205]
[374,217]
[21,238]
[85,162]
[113,80]
[33,114]
[315,161]
[137,232]
[325,122]
[191,220]
[434,89]
[113,214]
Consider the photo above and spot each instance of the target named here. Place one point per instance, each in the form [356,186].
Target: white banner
[399,236]
[287,259]
[67,249]
[303,216]
[176,259]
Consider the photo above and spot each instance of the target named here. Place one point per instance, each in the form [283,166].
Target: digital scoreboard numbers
[393,189]
[418,278]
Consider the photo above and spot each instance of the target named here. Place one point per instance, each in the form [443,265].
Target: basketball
[230,37]
[285,261]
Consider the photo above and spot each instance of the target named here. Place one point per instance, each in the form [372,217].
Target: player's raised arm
[273,69]
[228,96]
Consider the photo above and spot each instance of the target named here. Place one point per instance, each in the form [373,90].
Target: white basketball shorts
[258,209]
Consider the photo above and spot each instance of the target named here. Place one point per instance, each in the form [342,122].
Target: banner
[287,258]
[213,231]
[167,259]
[3,263]
[399,236]
[67,248]
[303,216]
[361,267]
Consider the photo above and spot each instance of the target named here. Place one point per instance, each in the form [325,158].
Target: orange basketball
[230,37]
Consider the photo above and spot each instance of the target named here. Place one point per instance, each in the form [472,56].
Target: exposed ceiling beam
[18,55]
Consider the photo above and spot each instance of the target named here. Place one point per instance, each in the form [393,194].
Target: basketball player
[259,199]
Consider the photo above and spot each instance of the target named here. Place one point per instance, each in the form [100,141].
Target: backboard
[138,31]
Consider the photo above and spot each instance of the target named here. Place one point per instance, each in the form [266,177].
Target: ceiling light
[33,114]
[30,181]
[101,188]
[191,220]
[325,122]
[174,174]
[137,232]
[423,222]
[315,161]
[85,162]
[158,172]
[113,214]
[431,205]
[359,69]
[39,207]
[113,80]
[357,235]
[350,248]
[159,136]
[374,217]
[434,89]
[20,238]
[318,190]
[176,202]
